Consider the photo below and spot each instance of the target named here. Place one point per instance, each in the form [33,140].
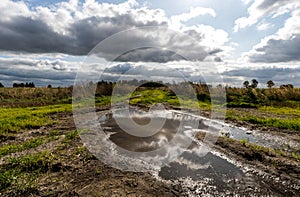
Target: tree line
[270,84]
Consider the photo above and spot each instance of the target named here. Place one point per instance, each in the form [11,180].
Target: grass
[281,110]
[22,97]
[292,154]
[12,148]
[15,119]
[291,123]
[36,162]
[274,122]
[32,143]
[21,173]
[70,136]
[150,97]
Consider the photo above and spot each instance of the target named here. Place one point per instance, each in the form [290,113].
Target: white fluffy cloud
[260,9]
[284,46]
[176,21]
[246,1]
[263,26]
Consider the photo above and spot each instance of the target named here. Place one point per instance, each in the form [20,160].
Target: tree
[254,83]
[1,85]
[31,85]
[219,86]
[270,84]
[246,84]
[287,86]
[49,86]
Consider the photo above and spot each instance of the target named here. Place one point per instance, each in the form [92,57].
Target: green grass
[16,119]
[102,101]
[293,124]
[38,162]
[150,97]
[281,123]
[21,173]
[281,110]
[12,148]
[32,143]
[70,136]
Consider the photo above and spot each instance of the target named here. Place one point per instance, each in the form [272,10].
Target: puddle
[211,173]
[191,164]
[237,133]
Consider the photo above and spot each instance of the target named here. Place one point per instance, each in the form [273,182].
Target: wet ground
[201,172]
[229,169]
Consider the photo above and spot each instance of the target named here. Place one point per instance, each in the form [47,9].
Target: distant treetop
[22,85]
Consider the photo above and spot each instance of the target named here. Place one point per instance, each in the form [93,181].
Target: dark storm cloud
[151,44]
[28,35]
[144,70]
[89,32]
[149,55]
[35,36]
[278,51]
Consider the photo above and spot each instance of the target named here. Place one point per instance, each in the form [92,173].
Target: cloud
[39,71]
[280,75]
[151,55]
[176,21]
[263,26]
[75,28]
[246,1]
[260,9]
[38,42]
[284,46]
[277,50]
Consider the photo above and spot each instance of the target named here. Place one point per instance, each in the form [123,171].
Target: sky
[48,42]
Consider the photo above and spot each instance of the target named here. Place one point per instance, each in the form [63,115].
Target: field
[41,152]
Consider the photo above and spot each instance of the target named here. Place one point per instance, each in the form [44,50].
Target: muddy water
[175,117]
[209,174]
[191,164]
